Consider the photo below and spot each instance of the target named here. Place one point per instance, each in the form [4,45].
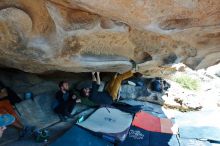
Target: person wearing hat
[82,92]
[5,120]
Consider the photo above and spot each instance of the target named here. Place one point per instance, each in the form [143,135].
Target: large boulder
[104,35]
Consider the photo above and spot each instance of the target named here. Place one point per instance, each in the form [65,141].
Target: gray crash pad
[110,121]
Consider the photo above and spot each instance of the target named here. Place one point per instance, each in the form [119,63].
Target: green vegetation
[188,82]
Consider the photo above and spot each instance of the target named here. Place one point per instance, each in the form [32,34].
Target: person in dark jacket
[92,93]
[64,101]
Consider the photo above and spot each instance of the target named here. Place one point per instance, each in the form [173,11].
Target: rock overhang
[83,36]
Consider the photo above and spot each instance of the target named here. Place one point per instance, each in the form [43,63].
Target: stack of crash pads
[80,137]
[110,123]
[148,130]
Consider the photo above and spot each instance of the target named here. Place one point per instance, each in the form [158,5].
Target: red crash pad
[151,123]
[147,122]
[166,125]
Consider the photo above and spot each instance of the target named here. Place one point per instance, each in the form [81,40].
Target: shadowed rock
[44,35]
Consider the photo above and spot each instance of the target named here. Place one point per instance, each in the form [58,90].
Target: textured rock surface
[103,35]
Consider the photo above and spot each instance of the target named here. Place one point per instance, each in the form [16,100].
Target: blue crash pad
[79,137]
[163,139]
[140,137]
[136,137]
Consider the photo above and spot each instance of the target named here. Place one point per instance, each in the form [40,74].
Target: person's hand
[74,96]
[78,100]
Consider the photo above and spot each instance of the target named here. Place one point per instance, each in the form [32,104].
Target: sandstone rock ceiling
[104,35]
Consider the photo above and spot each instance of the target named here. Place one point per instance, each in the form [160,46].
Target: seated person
[5,120]
[82,94]
[64,101]
[8,98]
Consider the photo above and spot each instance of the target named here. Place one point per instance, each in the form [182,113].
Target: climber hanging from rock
[105,97]
[90,94]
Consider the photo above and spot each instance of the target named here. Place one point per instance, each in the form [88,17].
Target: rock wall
[104,35]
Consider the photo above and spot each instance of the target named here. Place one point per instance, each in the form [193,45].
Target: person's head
[5,120]
[85,88]
[64,85]
[86,92]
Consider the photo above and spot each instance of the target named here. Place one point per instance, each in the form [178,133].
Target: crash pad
[141,137]
[136,137]
[127,108]
[149,122]
[109,121]
[80,137]
[167,126]
[163,139]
